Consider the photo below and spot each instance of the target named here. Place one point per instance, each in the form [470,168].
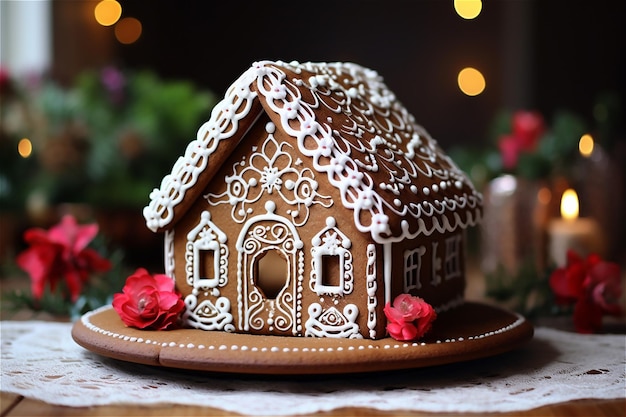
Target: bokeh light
[585,145]
[25,147]
[128,30]
[471,81]
[468,9]
[544,195]
[108,12]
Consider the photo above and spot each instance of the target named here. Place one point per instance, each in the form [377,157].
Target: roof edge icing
[221,126]
[349,164]
[360,193]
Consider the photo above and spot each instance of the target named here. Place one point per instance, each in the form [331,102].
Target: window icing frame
[452,260]
[412,270]
[206,236]
[330,241]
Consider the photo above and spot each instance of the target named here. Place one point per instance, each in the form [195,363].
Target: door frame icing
[256,313]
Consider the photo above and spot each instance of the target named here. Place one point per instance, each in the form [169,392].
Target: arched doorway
[264,305]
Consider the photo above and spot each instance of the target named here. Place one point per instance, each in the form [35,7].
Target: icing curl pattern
[370,149]
[271,171]
[388,170]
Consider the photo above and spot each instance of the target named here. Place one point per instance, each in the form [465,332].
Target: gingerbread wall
[268,248]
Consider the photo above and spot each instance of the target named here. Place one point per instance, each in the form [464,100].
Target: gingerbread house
[309,200]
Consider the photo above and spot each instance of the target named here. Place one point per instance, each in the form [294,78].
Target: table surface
[13,405]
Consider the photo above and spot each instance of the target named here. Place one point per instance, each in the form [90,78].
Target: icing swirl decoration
[390,173]
[270,171]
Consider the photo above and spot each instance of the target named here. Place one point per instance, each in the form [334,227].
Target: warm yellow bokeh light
[471,81]
[468,9]
[544,195]
[569,205]
[25,147]
[108,12]
[585,145]
[128,30]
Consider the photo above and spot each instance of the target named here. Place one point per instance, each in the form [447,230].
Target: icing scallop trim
[338,158]
[85,321]
[341,164]
[222,125]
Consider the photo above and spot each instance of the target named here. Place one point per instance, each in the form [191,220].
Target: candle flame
[569,205]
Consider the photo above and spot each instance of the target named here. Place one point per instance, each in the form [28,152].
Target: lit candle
[582,235]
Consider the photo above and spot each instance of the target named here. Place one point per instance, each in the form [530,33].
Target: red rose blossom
[527,128]
[409,318]
[592,285]
[509,151]
[61,253]
[149,302]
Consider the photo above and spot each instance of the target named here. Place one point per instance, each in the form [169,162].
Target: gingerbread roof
[391,174]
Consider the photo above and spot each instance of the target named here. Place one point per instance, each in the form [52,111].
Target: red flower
[592,285]
[567,283]
[61,253]
[149,302]
[409,318]
[527,129]
[509,151]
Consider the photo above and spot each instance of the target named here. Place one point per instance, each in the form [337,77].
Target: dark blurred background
[103,120]
[544,55]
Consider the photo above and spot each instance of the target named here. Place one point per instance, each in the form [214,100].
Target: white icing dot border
[85,320]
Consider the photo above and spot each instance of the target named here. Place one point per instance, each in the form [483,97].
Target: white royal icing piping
[367,105]
[248,183]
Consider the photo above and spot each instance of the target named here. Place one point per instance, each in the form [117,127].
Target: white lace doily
[40,360]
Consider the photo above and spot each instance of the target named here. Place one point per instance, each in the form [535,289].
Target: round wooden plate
[471,331]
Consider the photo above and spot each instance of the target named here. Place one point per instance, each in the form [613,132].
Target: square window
[412,267]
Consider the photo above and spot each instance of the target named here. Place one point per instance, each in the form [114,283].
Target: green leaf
[533,166]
